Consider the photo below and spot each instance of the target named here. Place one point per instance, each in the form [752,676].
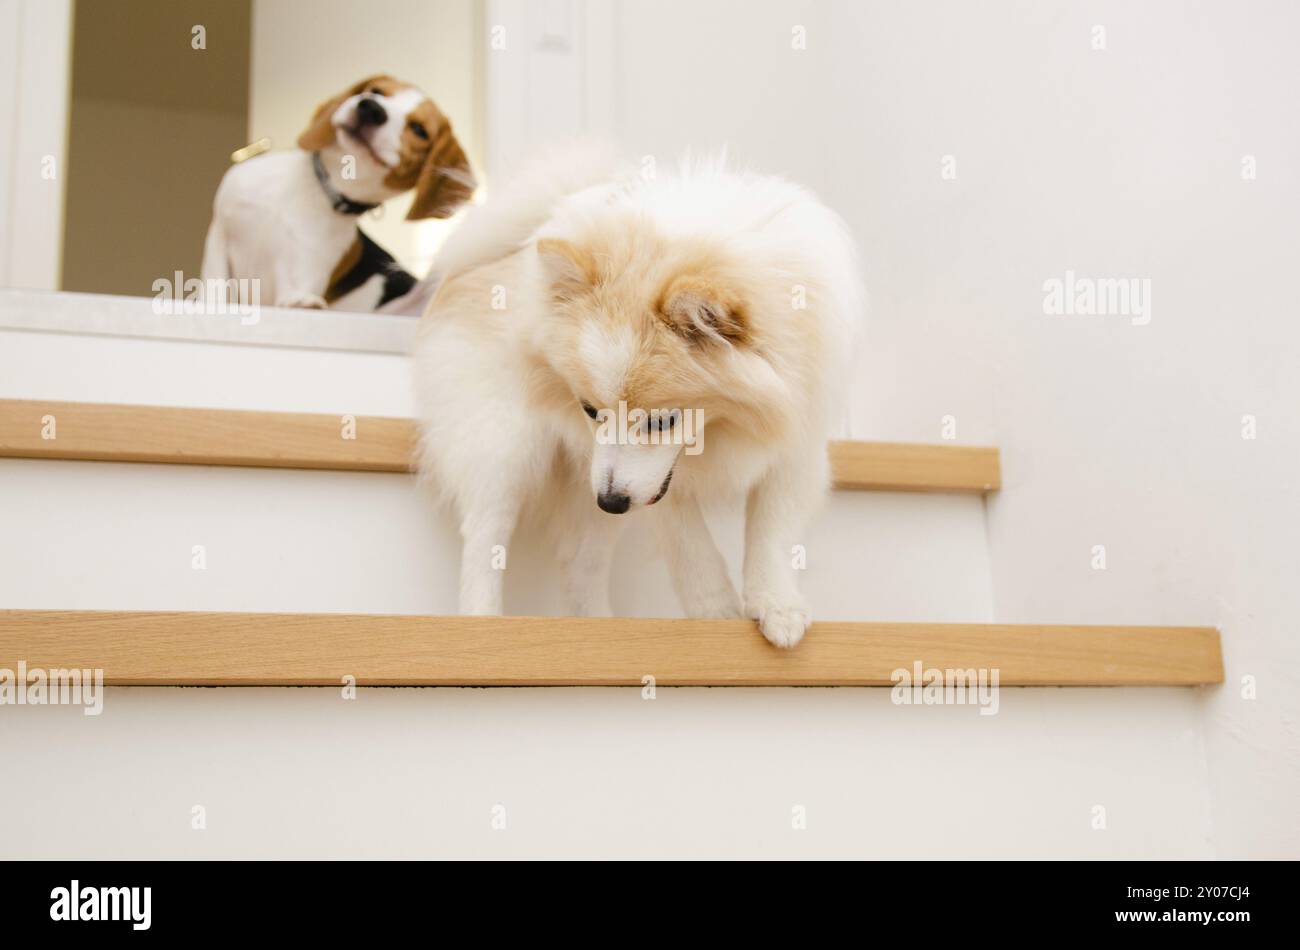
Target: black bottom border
[1209,899]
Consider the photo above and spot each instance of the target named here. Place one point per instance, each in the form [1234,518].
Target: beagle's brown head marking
[433,163]
[430,159]
[320,132]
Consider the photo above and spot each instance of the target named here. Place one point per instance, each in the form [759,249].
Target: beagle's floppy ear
[445,181]
[320,131]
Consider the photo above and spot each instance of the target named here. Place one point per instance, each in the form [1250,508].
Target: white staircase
[424,772]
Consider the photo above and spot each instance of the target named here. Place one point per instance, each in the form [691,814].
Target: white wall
[1132,436]
[1124,161]
[305,51]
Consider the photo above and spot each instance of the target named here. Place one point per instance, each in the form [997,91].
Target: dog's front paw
[783,626]
[302,301]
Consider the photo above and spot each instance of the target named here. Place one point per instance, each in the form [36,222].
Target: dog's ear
[571,270]
[445,181]
[703,308]
[320,131]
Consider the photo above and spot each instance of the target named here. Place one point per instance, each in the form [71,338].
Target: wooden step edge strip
[106,432]
[247,649]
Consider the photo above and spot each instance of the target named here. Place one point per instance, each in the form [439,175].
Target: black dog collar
[341,203]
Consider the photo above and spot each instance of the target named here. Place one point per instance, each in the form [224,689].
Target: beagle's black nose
[370,112]
[614,502]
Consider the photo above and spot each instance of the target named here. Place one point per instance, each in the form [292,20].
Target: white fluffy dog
[599,335]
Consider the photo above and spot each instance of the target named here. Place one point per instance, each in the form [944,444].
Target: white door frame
[35,62]
[550,72]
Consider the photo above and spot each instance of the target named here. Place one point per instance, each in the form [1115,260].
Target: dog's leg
[778,509]
[296,286]
[492,477]
[485,534]
[302,301]
[486,454]
[587,558]
[697,567]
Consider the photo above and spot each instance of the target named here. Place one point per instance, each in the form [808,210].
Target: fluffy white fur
[578,283]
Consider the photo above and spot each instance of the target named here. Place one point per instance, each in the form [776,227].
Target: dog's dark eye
[376,91]
[663,421]
[589,409]
[420,131]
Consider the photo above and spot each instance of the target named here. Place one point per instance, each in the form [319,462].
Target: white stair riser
[100,535]
[602,772]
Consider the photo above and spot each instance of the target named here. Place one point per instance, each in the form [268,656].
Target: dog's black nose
[370,112]
[614,502]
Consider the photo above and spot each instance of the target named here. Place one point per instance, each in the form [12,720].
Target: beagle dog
[289,218]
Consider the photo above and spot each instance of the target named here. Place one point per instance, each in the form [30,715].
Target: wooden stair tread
[108,432]
[281,649]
